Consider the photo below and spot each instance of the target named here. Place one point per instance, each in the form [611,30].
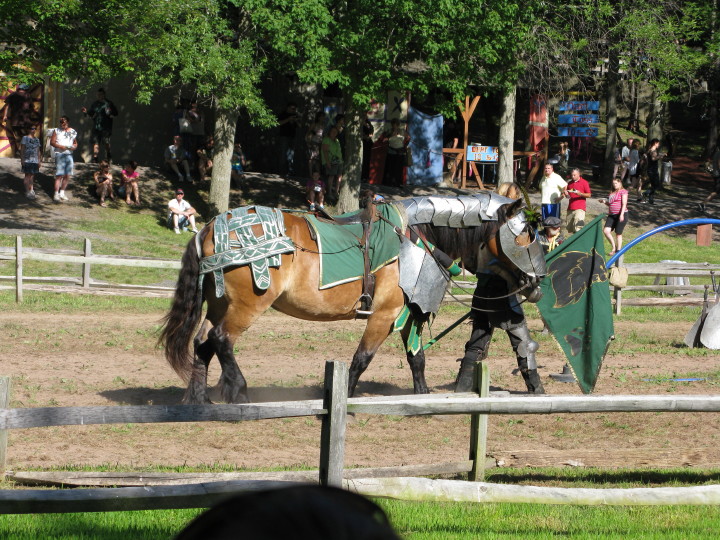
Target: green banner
[576,302]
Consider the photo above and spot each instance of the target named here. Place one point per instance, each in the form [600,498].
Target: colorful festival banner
[578,118]
[577,131]
[486,154]
[579,106]
[576,302]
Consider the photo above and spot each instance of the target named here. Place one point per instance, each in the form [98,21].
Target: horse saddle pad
[341,250]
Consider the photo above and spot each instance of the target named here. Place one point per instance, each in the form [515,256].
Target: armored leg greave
[525,347]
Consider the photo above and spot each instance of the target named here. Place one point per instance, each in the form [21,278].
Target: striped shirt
[615,201]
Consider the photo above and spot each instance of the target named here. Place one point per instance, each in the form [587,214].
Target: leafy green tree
[221,48]
[421,46]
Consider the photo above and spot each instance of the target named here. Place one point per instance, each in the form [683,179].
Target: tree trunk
[225,124]
[613,78]
[506,140]
[714,89]
[350,186]
[655,118]
[712,112]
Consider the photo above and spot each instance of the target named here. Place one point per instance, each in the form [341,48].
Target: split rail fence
[333,409]
[84,284]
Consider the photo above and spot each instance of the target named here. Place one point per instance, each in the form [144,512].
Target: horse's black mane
[463,243]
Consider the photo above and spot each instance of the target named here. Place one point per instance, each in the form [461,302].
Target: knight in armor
[488,313]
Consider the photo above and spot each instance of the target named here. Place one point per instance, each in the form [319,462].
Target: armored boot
[464,379]
[530,376]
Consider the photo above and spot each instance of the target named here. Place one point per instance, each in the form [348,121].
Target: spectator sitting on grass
[176,156]
[181,214]
[104,183]
[129,184]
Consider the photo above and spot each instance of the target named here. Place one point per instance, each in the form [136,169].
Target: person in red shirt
[578,191]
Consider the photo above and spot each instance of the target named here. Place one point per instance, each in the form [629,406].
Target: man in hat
[550,236]
[181,213]
[578,191]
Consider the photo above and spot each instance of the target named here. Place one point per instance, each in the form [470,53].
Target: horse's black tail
[182,319]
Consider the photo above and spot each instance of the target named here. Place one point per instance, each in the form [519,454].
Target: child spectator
[129,183]
[104,183]
[316,191]
[30,158]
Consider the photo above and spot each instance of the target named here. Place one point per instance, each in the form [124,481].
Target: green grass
[34,302]
[412,520]
[428,521]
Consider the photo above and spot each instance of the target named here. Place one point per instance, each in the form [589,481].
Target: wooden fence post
[332,435]
[478,426]
[703,235]
[18,269]
[4,403]
[86,266]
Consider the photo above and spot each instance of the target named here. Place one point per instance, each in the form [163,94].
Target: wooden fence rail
[333,409]
[83,284]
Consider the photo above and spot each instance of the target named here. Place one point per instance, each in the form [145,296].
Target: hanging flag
[576,302]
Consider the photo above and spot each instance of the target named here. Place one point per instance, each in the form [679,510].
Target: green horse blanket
[341,256]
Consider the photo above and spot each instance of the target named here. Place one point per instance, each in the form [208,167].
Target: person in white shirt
[552,190]
[64,141]
[181,213]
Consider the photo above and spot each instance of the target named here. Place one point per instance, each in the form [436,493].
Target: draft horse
[294,290]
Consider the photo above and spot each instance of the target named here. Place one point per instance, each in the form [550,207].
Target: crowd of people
[190,158]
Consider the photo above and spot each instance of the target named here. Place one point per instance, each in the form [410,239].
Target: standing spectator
[181,213]
[552,190]
[176,156]
[104,183]
[367,141]
[331,157]
[204,157]
[578,191]
[625,155]
[237,166]
[129,184]
[397,140]
[617,169]
[288,123]
[19,114]
[716,179]
[64,141]
[313,141]
[102,111]
[339,123]
[30,159]
[617,215]
[654,158]
[197,126]
[638,167]
[315,190]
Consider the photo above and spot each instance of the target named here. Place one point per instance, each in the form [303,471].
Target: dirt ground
[111,359]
